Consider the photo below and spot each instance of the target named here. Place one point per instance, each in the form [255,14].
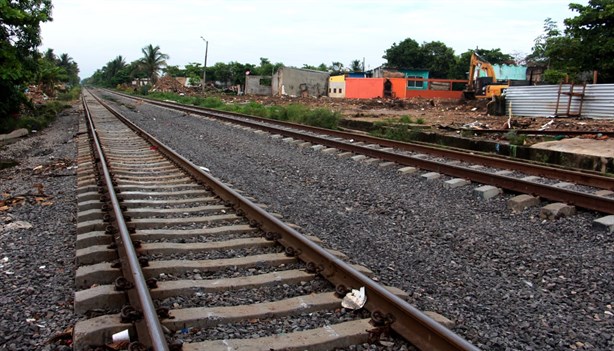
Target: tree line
[117,71]
[21,64]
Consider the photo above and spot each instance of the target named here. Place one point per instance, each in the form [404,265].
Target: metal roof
[541,100]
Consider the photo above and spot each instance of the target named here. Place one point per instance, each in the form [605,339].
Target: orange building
[402,88]
[364,88]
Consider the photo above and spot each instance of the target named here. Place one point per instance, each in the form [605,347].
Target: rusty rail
[409,322]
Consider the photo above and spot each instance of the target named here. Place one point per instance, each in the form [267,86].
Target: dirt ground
[435,112]
[447,116]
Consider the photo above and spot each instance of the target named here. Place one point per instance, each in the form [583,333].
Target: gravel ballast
[36,264]
[510,281]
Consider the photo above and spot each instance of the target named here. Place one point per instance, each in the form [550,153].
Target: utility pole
[205,69]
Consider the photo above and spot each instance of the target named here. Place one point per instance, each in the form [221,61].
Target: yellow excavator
[482,87]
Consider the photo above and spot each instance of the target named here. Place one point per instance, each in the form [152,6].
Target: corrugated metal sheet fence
[541,100]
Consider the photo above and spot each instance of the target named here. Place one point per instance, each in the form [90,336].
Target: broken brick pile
[169,84]
[36,95]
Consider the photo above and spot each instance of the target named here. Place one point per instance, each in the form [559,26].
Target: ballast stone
[520,202]
[504,172]
[440,319]
[486,192]
[557,210]
[606,223]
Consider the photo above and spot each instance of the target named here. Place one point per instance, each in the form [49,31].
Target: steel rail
[579,177]
[156,334]
[549,192]
[409,322]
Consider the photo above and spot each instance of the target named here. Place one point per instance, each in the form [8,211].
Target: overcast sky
[291,32]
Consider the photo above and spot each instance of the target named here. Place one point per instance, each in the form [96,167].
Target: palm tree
[65,61]
[114,66]
[356,66]
[152,61]
[71,68]
[49,55]
[112,69]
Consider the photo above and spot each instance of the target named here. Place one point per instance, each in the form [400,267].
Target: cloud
[312,32]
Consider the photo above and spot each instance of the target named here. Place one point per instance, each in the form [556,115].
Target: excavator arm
[477,63]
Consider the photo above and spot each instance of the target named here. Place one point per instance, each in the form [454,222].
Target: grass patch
[406,119]
[71,95]
[295,113]
[395,132]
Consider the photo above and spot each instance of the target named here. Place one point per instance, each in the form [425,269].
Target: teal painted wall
[505,72]
[416,73]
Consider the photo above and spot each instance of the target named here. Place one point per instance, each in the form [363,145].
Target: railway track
[579,188]
[182,261]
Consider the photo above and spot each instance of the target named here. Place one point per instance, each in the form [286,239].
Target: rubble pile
[35,94]
[168,84]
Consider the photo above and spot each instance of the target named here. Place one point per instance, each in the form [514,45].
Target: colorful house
[336,86]
[382,72]
[395,84]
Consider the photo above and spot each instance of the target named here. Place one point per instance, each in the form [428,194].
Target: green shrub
[322,118]
[36,118]
[254,109]
[515,139]
[278,113]
[72,94]
[397,132]
[406,119]
[211,102]
[295,112]
[144,90]
[552,76]
[420,121]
